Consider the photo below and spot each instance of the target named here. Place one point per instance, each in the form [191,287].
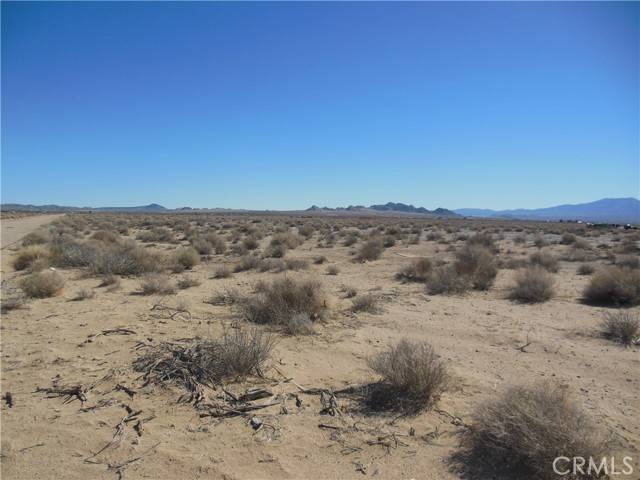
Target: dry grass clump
[198,362]
[277,250]
[185,258]
[545,260]
[532,285]
[251,243]
[417,271]
[520,434]
[412,375]
[156,285]
[622,327]
[288,239]
[477,262]
[567,239]
[366,303]
[42,284]
[278,302]
[484,239]
[201,245]
[33,257]
[319,260]
[370,250]
[539,241]
[295,264]
[248,262]
[616,286]
[446,280]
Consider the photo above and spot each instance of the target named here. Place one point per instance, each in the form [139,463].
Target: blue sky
[284,105]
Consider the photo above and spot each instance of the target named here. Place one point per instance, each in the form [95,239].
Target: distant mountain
[390,208]
[616,210]
[153,207]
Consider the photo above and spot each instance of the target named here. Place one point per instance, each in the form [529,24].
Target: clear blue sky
[284,105]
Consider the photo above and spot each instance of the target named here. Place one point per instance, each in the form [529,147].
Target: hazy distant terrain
[617,210]
[621,210]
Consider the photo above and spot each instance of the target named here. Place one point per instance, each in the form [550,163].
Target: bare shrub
[545,260]
[298,324]
[157,234]
[622,327]
[349,292]
[366,303]
[251,243]
[248,262]
[42,284]
[532,285]
[319,260]
[522,432]
[370,250]
[289,240]
[539,241]
[417,271]
[11,300]
[446,280]
[198,362]
[412,374]
[278,250]
[218,244]
[478,263]
[484,239]
[295,264]
[581,244]
[616,286]
[568,239]
[276,302]
[586,269]
[32,256]
[156,285]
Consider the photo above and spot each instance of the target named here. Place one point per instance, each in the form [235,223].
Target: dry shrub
[121,259]
[106,236]
[156,285]
[333,270]
[616,286]
[36,238]
[370,250]
[622,327]
[250,243]
[289,240]
[11,300]
[278,250]
[366,303]
[295,264]
[581,244]
[545,260]
[218,244]
[586,269]
[248,262]
[201,245]
[319,260]
[185,258]
[628,261]
[306,231]
[568,239]
[417,271]
[412,375]
[446,280]
[83,294]
[42,284]
[539,241]
[65,253]
[478,263]
[483,239]
[188,282]
[277,302]
[33,257]
[298,324]
[520,434]
[157,234]
[222,272]
[195,362]
[532,285]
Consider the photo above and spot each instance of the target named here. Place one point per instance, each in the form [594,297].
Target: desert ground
[78,402]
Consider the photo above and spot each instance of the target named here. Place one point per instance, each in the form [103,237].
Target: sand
[477,334]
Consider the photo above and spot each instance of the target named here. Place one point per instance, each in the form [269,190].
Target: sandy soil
[14,229]
[477,334]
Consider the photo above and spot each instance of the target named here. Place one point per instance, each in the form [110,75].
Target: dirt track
[14,229]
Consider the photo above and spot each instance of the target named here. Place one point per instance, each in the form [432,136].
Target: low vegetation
[622,327]
[532,285]
[616,286]
[42,284]
[520,434]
